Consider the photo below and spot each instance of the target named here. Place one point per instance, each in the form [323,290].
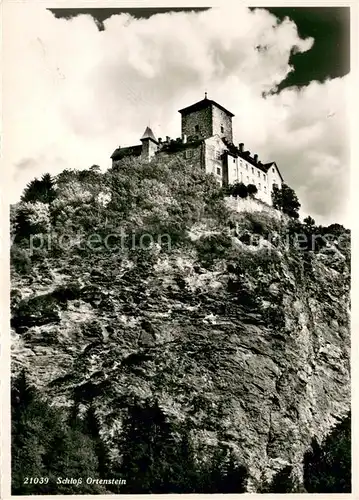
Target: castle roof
[273,164]
[204,103]
[148,134]
[246,155]
[127,151]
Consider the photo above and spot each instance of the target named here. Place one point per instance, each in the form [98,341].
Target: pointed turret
[149,144]
[148,134]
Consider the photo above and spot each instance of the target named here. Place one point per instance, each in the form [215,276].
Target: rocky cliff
[233,330]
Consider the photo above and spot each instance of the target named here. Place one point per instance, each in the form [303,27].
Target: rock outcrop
[251,348]
[234,330]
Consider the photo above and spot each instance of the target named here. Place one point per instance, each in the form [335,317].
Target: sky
[78,86]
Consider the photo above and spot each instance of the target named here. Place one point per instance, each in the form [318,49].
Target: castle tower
[205,119]
[149,144]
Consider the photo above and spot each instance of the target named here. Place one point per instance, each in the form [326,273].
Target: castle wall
[149,148]
[192,155]
[202,118]
[221,119]
[274,177]
[213,157]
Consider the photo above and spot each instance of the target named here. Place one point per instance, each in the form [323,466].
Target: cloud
[74,93]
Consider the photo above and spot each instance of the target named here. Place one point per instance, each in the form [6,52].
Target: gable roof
[148,134]
[127,151]
[273,164]
[204,103]
[246,155]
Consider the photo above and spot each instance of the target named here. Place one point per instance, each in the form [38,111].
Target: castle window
[188,153]
[259,174]
[218,155]
[264,176]
[265,189]
[246,167]
[247,179]
[222,129]
[273,170]
[234,160]
[252,170]
[218,171]
[259,186]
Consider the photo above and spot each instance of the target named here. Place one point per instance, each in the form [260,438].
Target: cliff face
[246,341]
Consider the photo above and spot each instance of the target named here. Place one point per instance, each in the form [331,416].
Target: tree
[226,474]
[92,428]
[31,218]
[149,451]
[252,190]
[44,446]
[286,200]
[327,467]
[42,190]
[282,482]
[159,457]
[309,221]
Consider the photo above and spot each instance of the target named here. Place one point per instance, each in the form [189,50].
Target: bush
[20,260]
[252,190]
[212,247]
[237,189]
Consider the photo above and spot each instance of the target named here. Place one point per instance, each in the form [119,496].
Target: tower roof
[148,134]
[204,103]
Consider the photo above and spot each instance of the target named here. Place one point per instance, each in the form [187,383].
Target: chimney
[159,140]
[184,138]
[168,138]
[240,146]
[255,157]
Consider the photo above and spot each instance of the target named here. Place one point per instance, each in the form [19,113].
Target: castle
[207,139]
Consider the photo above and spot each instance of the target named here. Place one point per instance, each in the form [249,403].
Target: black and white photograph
[179,221]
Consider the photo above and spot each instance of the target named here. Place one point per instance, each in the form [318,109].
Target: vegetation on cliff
[145,311]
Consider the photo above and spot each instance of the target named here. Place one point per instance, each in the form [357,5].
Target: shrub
[237,189]
[212,247]
[252,190]
[20,260]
